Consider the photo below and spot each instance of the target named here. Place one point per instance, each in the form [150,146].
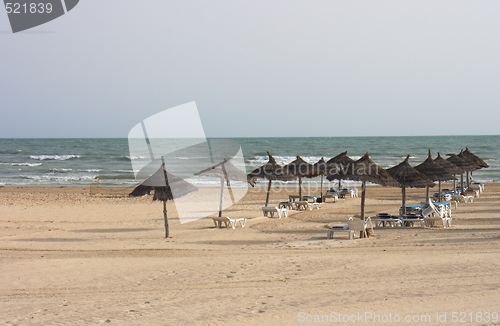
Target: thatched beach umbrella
[341,162]
[320,169]
[364,170]
[408,177]
[227,172]
[449,167]
[472,161]
[473,157]
[301,168]
[435,172]
[166,187]
[271,171]
[463,165]
[476,159]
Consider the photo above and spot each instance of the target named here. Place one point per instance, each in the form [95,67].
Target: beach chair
[286,204]
[227,221]
[303,205]
[330,195]
[357,225]
[410,220]
[384,219]
[273,209]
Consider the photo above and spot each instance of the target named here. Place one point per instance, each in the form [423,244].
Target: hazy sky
[256,68]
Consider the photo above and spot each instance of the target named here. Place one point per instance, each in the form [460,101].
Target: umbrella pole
[454,186]
[268,190]
[403,194]
[321,188]
[462,182]
[439,190]
[221,195]
[300,188]
[165,218]
[427,194]
[363,189]
[467,173]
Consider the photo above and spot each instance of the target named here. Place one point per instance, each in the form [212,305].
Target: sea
[77,162]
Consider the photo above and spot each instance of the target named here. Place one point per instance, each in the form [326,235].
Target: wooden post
[221,194]
[427,198]
[363,190]
[403,194]
[321,188]
[439,190]
[462,183]
[268,190]
[165,218]
[300,187]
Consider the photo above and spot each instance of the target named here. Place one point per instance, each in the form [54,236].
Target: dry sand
[68,258]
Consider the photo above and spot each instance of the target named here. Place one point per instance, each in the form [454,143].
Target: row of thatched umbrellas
[340,167]
[403,175]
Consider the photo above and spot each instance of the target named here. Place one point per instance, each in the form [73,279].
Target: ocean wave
[61,170]
[22,164]
[53,157]
[57,179]
[90,170]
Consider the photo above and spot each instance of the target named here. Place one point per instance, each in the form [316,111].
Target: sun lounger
[351,193]
[411,220]
[476,186]
[286,204]
[337,228]
[384,219]
[227,221]
[330,195]
[471,192]
[293,197]
[303,205]
[310,199]
[273,209]
[431,221]
[353,226]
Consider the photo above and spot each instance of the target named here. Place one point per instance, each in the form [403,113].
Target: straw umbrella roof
[448,166]
[461,163]
[299,167]
[271,171]
[162,183]
[469,160]
[365,170]
[433,170]
[476,159]
[342,159]
[225,169]
[321,167]
[409,177]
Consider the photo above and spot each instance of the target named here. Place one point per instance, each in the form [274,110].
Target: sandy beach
[68,258]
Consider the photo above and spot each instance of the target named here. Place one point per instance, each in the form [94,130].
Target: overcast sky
[256,68]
